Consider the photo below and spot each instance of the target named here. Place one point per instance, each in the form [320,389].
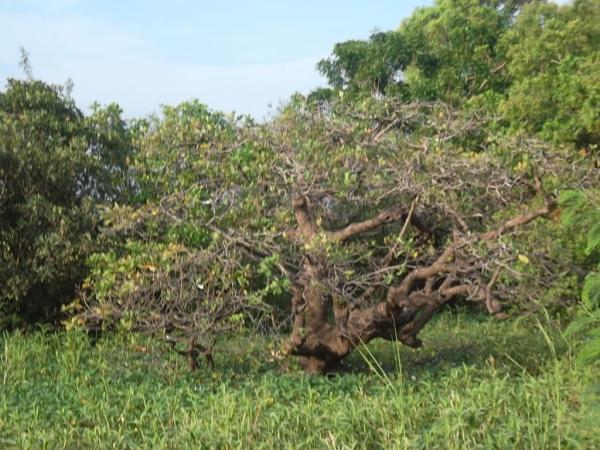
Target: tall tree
[553,56]
[53,166]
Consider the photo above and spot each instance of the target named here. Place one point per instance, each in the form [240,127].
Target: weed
[477,383]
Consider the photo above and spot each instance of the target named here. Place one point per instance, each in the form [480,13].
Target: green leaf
[590,294]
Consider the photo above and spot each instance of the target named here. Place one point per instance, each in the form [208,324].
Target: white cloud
[109,63]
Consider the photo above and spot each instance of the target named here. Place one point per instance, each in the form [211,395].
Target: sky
[244,55]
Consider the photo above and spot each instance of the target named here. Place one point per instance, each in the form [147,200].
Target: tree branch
[389,257]
[389,215]
[452,264]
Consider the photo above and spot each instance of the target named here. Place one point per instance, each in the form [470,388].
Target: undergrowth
[477,383]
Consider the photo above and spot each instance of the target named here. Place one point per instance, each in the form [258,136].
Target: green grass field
[477,383]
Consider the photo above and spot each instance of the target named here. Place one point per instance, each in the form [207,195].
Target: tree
[53,168]
[361,222]
[532,63]
[582,217]
[373,67]
[445,52]
[171,265]
[454,49]
[429,225]
[553,58]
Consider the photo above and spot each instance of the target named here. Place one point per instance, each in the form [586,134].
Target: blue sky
[232,55]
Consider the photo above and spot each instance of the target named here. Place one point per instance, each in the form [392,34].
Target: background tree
[446,52]
[553,61]
[54,166]
[533,64]
[374,66]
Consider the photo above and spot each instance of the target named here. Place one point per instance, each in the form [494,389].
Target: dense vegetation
[480,383]
[451,163]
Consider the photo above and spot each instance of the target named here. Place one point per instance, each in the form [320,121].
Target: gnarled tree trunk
[326,329]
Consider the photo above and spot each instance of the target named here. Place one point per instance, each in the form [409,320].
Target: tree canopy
[359,221]
[534,63]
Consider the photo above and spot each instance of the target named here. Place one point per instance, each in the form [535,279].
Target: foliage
[372,66]
[454,49]
[210,242]
[582,215]
[445,52]
[383,271]
[553,60]
[110,149]
[533,63]
[53,163]
[171,262]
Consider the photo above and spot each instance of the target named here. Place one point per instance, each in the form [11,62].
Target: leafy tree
[553,56]
[454,49]
[445,52]
[361,222]
[175,263]
[53,165]
[533,63]
[374,66]
[109,146]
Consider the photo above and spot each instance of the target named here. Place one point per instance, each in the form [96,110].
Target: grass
[478,383]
